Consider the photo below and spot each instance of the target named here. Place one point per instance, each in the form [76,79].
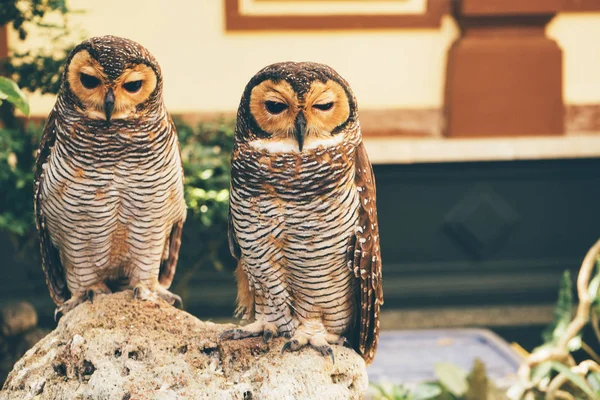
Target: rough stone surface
[125,349]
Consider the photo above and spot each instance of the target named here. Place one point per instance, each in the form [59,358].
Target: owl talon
[256,328]
[77,299]
[90,295]
[93,291]
[236,334]
[286,346]
[142,292]
[326,351]
[344,342]
[291,345]
[267,336]
[178,303]
[57,314]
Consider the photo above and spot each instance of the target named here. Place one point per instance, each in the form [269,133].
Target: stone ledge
[120,348]
[397,150]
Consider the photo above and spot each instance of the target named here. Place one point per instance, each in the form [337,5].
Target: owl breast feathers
[303,218]
[109,182]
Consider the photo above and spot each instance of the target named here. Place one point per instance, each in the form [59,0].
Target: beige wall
[206,69]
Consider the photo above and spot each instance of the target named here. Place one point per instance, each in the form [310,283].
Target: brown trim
[524,7]
[3,42]
[582,118]
[581,5]
[422,122]
[235,21]
[508,7]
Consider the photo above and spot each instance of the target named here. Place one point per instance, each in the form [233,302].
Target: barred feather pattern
[297,221]
[108,197]
[294,215]
[303,224]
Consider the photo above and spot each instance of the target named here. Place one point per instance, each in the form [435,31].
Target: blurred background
[481,117]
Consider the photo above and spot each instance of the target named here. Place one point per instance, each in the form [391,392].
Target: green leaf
[10,92]
[477,381]
[540,372]
[426,391]
[563,311]
[453,378]
[594,381]
[577,380]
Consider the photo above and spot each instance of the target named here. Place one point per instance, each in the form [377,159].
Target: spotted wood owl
[303,219]
[109,199]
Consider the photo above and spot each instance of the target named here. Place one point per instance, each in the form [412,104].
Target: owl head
[299,103]
[112,78]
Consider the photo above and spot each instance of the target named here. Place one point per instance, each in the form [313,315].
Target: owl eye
[324,107]
[89,81]
[275,107]
[132,86]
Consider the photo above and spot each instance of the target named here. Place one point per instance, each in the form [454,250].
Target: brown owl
[109,181]
[303,218]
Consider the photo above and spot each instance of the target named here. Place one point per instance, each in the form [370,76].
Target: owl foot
[256,328]
[143,292]
[90,294]
[320,342]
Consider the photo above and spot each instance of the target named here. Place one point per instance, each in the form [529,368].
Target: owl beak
[109,104]
[300,129]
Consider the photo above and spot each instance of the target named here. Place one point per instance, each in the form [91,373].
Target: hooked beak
[300,129]
[109,104]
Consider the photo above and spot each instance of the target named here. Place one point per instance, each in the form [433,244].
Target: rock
[18,333]
[17,318]
[126,349]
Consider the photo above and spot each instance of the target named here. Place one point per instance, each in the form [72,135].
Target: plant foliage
[453,383]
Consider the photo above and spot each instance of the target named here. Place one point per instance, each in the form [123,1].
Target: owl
[109,200]
[303,219]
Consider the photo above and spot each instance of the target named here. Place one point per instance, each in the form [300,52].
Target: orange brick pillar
[504,75]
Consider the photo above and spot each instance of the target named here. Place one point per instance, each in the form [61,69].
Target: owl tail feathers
[245,297]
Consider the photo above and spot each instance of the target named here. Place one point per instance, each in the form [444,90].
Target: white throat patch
[290,145]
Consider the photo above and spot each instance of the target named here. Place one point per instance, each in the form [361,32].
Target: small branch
[585,302]
[561,351]
[595,323]
[590,351]
[560,394]
[559,380]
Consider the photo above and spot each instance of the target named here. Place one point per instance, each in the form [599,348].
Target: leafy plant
[10,92]
[550,371]
[15,178]
[453,383]
[206,153]
[39,70]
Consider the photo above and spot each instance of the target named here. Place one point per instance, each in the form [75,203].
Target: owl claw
[236,334]
[177,302]
[57,314]
[88,295]
[267,336]
[292,345]
[295,345]
[143,292]
[344,342]
[256,328]
[326,351]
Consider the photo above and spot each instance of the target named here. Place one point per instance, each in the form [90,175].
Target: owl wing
[364,255]
[51,264]
[169,264]
[234,247]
